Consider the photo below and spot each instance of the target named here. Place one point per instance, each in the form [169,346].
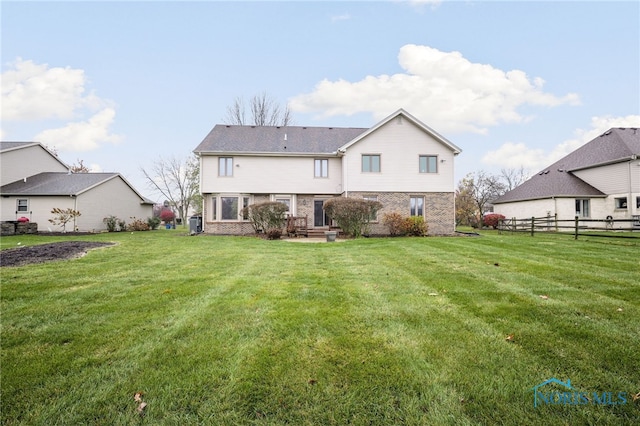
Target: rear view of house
[400,162]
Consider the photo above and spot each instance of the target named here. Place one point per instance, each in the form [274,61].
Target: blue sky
[120,84]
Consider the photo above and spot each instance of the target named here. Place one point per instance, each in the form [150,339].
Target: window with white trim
[229,208]
[621,203]
[582,208]
[22,205]
[416,206]
[285,200]
[321,168]
[225,166]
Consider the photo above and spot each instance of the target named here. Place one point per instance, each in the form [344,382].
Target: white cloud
[37,92]
[81,136]
[515,155]
[446,90]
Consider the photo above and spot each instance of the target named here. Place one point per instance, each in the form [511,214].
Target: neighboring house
[601,179]
[36,182]
[400,162]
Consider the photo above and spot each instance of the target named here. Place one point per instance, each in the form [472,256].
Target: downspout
[345,174]
[630,197]
[75,207]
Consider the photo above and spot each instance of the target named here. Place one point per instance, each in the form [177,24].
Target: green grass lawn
[232,330]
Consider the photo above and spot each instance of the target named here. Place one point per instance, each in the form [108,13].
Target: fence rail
[577,225]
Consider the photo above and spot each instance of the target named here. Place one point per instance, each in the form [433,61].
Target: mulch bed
[47,252]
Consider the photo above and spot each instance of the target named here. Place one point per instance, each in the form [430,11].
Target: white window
[621,203]
[225,166]
[582,208]
[230,207]
[22,205]
[428,164]
[321,168]
[417,206]
[371,163]
[284,200]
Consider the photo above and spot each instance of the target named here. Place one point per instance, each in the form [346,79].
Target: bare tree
[264,112]
[79,167]
[482,188]
[177,181]
[514,177]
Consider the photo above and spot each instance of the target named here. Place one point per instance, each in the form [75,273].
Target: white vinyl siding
[400,147]
[21,163]
[613,178]
[271,175]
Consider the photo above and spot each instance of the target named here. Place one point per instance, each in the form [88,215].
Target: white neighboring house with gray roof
[400,162]
[598,180]
[37,181]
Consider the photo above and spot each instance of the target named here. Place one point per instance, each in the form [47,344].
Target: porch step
[319,233]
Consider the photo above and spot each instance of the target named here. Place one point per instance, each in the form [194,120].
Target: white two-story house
[599,180]
[400,162]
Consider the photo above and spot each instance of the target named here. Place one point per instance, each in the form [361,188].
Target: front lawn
[234,330]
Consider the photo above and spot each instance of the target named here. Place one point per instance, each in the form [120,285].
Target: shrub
[415,226]
[399,225]
[274,234]
[138,225]
[111,222]
[266,216]
[395,223]
[122,225]
[492,220]
[63,216]
[167,215]
[352,214]
[153,222]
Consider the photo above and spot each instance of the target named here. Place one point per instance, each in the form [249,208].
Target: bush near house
[267,216]
[399,225]
[352,214]
[492,220]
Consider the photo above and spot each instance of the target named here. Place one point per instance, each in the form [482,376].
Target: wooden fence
[577,226]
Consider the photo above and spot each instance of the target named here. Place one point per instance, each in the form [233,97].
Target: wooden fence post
[576,234]
[533,224]
[556,221]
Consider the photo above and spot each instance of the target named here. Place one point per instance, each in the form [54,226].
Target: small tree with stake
[167,216]
[63,216]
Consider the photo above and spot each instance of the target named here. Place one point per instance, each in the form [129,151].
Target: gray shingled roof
[615,145]
[276,139]
[51,183]
[5,146]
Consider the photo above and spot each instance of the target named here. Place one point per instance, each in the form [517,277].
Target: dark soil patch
[47,252]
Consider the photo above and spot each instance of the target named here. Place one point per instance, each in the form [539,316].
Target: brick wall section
[438,207]
[439,212]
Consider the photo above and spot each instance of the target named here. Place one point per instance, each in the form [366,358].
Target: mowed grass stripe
[245,331]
